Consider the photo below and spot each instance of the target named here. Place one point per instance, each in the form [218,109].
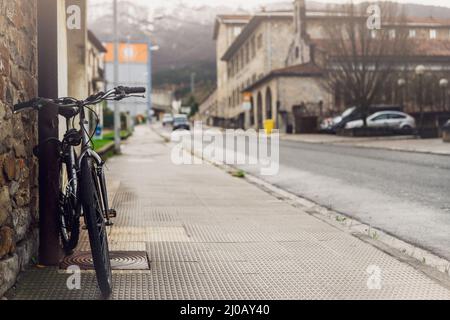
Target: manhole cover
[120,260]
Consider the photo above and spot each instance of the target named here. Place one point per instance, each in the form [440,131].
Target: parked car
[328,124]
[167,120]
[386,119]
[181,122]
[355,113]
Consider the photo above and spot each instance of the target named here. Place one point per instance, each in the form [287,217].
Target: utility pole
[193,74]
[150,84]
[117,125]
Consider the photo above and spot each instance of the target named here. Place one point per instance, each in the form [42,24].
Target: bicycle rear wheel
[95,222]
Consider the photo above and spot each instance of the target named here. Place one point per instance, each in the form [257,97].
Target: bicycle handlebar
[25,105]
[120,92]
[131,90]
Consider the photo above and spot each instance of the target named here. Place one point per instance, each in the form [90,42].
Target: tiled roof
[419,47]
[300,70]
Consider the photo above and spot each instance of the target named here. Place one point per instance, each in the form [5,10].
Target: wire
[97,120]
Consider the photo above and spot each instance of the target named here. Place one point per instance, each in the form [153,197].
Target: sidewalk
[209,235]
[396,143]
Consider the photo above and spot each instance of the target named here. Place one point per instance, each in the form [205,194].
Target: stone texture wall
[18,136]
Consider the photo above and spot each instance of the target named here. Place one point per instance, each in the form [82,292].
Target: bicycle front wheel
[95,222]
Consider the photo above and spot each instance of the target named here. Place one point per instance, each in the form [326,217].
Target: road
[404,194]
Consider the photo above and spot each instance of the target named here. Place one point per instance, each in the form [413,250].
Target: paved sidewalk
[209,235]
[396,143]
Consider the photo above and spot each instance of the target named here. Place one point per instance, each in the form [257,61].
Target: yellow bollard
[269,125]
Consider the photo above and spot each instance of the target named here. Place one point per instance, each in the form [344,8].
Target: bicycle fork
[107,212]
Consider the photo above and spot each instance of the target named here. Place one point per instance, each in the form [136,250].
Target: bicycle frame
[74,163]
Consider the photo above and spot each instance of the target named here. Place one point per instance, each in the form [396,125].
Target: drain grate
[120,260]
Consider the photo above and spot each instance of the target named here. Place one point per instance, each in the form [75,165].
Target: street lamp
[401,84]
[117,124]
[420,71]
[151,48]
[443,83]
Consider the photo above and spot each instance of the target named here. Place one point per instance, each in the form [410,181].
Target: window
[260,41]
[412,33]
[381,118]
[392,33]
[433,34]
[396,116]
[237,31]
[297,52]
[253,47]
[247,53]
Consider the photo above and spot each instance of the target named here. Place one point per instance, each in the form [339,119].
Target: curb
[421,259]
[348,144]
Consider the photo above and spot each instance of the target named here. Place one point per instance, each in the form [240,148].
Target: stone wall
[18,136]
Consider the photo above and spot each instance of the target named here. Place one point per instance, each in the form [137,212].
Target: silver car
[386,119]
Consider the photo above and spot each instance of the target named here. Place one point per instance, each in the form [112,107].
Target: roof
[419,48]
[240,19]
[423,22]
[252,25]
[96,42]
[300,70]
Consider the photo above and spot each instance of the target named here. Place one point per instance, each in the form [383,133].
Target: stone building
[226,29]
[291,88]
[18,135]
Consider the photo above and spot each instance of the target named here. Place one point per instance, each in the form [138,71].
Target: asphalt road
[405,194]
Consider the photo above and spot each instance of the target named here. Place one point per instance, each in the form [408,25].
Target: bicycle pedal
[112,213]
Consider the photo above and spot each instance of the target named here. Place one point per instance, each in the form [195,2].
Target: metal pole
[117,125]
[150,83]
[50,252]
[421,105]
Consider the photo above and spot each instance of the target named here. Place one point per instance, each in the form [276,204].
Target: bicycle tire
[69,216]
[95,223]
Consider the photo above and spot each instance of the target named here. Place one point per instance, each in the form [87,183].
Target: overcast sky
[253,3]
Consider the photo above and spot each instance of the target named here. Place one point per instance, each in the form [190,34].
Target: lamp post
[401,84]
[420,71]
[117,125]
[151,48]
[443,83]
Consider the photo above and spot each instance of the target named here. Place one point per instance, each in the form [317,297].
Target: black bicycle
[82,179]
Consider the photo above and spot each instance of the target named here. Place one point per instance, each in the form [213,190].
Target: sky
[254,3]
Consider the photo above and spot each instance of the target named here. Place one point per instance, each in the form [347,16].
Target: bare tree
[358,61]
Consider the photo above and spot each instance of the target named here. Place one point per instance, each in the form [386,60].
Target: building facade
[286,77]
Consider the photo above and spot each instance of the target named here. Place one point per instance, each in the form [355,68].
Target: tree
[359,60]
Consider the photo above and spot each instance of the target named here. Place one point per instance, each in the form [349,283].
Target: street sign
[247,104]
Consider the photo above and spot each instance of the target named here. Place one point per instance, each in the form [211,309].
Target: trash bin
[269,125]
[446,131]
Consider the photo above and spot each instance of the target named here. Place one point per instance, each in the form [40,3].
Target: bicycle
[82,182]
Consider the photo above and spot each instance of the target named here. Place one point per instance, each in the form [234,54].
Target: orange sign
[247,96]
[128,52]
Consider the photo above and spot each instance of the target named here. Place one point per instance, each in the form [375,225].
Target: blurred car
[356,113]
[328,124]
[181,122]
[386,119]
[167,119]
